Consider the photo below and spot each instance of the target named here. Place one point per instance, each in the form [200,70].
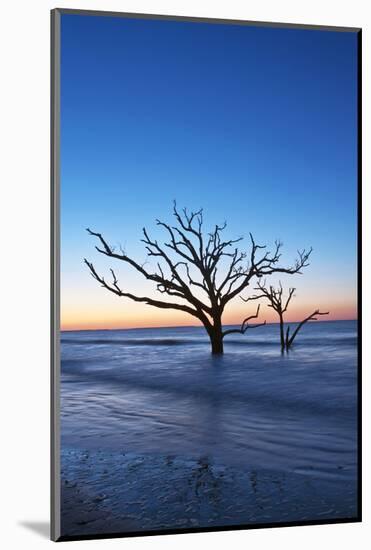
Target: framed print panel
[206,315]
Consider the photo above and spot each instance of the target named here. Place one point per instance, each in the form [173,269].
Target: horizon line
[196,326]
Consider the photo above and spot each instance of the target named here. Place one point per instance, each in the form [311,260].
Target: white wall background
[24,271]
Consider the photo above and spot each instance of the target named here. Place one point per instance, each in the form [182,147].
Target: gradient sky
[256,125]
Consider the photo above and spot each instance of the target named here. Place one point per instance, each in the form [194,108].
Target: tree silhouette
[279,303]
[201,270]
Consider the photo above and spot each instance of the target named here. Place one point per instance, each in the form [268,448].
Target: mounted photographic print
[205,275]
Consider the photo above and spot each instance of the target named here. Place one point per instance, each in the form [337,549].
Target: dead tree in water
[280,305]
[202,271]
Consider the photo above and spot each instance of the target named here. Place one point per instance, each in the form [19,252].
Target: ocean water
[161,392]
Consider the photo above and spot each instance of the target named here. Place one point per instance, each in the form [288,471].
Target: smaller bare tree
[280,304]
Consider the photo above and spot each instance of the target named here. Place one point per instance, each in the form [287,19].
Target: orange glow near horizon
[96,318]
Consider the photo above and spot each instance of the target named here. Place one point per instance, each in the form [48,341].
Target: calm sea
[161,391]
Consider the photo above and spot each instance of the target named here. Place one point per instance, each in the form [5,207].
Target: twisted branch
[245,325]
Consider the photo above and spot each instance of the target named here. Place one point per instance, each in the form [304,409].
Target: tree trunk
[282,334]
[216,340]
[216,336]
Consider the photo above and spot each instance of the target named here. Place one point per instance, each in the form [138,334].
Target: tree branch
[115,289]
[266,265]
[173,287]
[245,325]
[311,317]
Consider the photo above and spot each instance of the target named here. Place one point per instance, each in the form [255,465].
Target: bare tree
[202,271]
[279,303]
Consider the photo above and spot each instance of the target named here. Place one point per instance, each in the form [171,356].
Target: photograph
[206,187]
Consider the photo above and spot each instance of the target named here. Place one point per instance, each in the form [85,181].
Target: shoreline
[116,491]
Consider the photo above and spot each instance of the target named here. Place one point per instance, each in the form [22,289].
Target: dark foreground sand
[107,492]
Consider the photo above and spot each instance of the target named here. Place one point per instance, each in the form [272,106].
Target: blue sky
[256,125]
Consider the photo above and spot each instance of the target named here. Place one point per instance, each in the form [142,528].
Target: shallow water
[159,391]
